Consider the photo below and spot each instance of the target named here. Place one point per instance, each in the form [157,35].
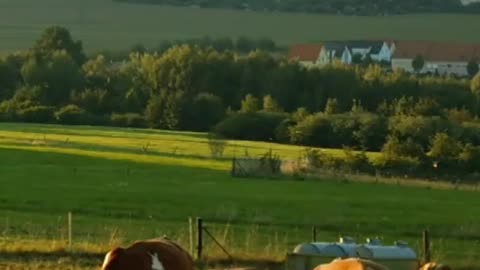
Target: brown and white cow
[351,264]
[154,254]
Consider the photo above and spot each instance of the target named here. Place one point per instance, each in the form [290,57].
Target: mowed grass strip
[107,25]
[119,196]
[139,141]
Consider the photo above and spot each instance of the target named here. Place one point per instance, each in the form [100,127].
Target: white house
[440,57]
[332,51]
[383,52]
[343,51]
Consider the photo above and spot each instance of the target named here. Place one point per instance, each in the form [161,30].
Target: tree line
[241,45]
[347,7]
[253,96]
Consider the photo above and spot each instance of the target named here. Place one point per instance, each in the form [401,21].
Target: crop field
[128,184]
[105,25]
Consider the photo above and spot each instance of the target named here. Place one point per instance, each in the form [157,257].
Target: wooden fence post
[199,238]
[234,169]
[190,233]
[70,231]
[314,233]
[426,247]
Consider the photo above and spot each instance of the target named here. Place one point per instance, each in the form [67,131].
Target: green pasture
[118,192]
[105,25]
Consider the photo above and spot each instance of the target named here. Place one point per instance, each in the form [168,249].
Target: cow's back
[171,255]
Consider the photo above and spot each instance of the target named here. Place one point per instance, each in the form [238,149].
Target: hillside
[108,25]
[349,7]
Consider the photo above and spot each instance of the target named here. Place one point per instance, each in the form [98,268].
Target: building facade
[443,58]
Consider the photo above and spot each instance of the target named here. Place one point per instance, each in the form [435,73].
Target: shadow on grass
[146,151]
[109,132]
[98,131]
[141,150]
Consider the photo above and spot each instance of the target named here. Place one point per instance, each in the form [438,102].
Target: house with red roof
[442,58]
[306,54]
[342,51]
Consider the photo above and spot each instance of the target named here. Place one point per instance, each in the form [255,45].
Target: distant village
[440,58]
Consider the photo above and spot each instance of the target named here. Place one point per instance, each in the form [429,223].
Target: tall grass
[247,245]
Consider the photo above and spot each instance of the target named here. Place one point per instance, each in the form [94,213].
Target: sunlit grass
[137,158]
[155,142]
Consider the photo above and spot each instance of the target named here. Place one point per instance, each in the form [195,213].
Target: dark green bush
[36,114]
[282,131]
[320,160]
[395,148]
[10,108]
[421,129]
[372,132]
[128,120]
[356,162]
[203,113]
[444,148]
[314,130]
[397,166]
[74,115]
[360,130]
[469,158]
[259,126]
[470,133]
[7,111]
[343,127]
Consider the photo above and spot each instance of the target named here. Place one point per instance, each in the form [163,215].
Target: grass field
[119,193]
[103,24]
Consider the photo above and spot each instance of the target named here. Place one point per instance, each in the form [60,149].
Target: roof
[389,41]
[374,45]
[386,252]
[305,52]
[351,249]
[437,51]
[337,46]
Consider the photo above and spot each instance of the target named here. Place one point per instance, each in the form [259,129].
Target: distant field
[118,193]
[102,24]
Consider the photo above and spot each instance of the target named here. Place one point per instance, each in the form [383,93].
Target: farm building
[342,51]
[306,54]
[307,256]
[439,57]
[345,51]
[334,51]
